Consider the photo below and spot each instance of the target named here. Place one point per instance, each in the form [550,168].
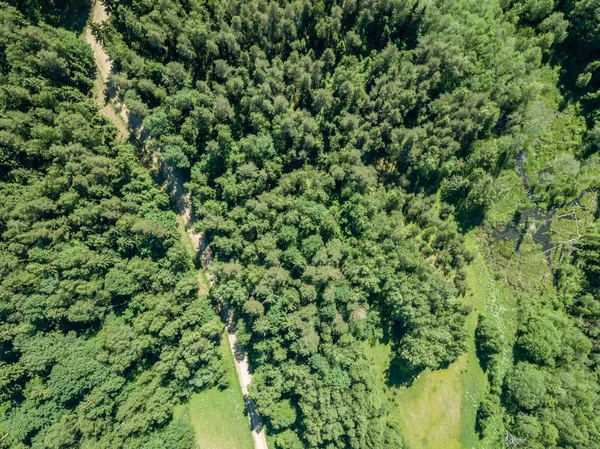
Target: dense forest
[337,153]
[101,331]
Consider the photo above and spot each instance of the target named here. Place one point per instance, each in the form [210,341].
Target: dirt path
[245,378]
[103,63]
[120,117]
[116,113]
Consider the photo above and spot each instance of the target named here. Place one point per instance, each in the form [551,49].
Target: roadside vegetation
[102,331]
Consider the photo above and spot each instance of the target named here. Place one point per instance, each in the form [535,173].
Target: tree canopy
[101,329]
[316,137]
[336,152]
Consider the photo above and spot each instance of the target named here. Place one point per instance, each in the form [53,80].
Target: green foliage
[487,336]
[334,150]
[101,331]
[283,415]
[526,386]
[318,137]
[119,283]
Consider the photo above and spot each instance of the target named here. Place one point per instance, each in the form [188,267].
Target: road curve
[177,190]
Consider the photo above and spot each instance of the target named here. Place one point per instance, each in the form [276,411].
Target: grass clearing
[218,416]
[487,294]
[439,409]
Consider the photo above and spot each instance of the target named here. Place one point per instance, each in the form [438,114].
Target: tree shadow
[570,90]
[401,373]
[256,424]
[484,357]
[68,14]
[468,220]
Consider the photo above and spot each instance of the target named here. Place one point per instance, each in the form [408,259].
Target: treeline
[101,328]
[567,32]
[551,397]
[575,46]
[319,138]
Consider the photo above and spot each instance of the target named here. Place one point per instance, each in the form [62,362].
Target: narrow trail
[119,115]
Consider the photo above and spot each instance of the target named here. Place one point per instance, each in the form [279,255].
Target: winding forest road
[120,117]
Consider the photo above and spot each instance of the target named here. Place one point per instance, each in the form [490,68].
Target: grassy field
[218,415]
[439,409]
